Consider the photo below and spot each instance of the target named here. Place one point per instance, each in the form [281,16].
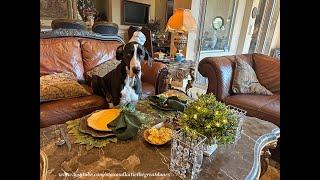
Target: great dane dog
[123,84]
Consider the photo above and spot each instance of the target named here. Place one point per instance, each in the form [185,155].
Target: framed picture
[55,9]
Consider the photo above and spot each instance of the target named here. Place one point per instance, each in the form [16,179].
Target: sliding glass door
[216,32]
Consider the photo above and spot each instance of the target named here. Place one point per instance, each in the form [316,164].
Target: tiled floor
[273,171]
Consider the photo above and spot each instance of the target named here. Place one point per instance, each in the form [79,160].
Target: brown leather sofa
[77,52]
[219,71]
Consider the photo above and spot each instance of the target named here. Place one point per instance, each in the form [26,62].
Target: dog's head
[131,56]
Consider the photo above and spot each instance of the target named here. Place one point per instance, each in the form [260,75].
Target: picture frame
[56,9]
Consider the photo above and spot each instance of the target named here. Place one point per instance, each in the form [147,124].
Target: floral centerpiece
[210,118]
[86,9]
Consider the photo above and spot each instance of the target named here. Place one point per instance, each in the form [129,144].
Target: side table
[181,72]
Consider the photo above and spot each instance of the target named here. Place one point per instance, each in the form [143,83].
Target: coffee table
[246,159]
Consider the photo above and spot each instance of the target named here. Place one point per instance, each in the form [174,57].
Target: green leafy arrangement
[210,118]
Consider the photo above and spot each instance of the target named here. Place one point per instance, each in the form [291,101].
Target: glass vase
[209,149]
[241,114]
[186,155]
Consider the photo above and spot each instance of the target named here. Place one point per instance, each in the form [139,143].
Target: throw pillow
[104,68]
[60,86]
[246,81]
[268,71]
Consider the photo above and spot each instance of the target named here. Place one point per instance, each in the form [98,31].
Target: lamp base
[179,56]
[180,41]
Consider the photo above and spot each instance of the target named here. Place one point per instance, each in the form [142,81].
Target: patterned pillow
[60,86]
[245,80]
[104,68]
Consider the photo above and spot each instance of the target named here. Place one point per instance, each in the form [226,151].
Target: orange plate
[101,119]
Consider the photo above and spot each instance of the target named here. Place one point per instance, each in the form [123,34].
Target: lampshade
[181,21]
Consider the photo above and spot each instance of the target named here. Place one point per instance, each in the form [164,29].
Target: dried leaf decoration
[86,139]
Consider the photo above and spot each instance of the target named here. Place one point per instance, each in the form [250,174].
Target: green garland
[210,118]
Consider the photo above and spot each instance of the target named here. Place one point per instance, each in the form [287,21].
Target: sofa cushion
[60,111]
[60,86]
[260,106]
[268,71]
[95,52]
[61,55]
[246,81]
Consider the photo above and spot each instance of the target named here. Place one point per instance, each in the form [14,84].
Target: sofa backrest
[94,52]
[220,70]
[75,51]
[61,55]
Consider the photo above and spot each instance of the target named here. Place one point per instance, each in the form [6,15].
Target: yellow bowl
[146,134]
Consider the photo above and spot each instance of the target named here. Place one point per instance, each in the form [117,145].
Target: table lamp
[180,23]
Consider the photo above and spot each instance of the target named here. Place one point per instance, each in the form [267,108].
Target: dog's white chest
[128,94]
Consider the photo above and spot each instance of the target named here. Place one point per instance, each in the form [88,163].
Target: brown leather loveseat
[77,52]
[219,71]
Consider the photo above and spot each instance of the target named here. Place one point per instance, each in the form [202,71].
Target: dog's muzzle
[136,70]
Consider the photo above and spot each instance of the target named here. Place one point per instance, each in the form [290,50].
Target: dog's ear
[119,52]
[148,58]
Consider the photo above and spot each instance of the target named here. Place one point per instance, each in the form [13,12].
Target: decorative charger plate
[157,106]
[180,95]
[84,128]
[99,121]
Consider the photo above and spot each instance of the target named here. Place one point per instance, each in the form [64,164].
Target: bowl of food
[158,135]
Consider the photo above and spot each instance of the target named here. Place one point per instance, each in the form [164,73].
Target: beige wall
[161,11]
[193,36]
[186,4]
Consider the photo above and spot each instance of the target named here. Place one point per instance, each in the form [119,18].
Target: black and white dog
[123,84]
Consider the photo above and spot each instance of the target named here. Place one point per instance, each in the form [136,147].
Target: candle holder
[186,155]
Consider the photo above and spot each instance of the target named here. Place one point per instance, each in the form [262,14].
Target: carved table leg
[265,155]
[190,83]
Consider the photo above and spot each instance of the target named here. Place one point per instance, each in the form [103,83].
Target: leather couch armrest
[155,75]
[219,72]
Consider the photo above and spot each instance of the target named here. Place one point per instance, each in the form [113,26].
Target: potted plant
[211,118]
[154,27]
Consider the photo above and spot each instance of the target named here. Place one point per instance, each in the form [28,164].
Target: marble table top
[237,161]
